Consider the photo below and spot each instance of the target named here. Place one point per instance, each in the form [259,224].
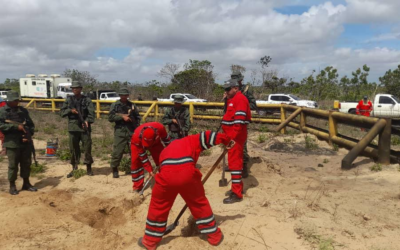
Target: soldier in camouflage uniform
[253,106]
[80,112]
[126,117]
[18,129]
[177,119]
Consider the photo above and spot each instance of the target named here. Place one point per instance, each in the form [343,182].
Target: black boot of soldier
[245,172]
[13,188]
[115,172]
[89,169]
[28,186]
[72,172]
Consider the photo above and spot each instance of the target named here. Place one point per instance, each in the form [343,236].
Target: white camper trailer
[44,86]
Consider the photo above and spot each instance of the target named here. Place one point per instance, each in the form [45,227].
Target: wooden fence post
[332,127]
[283,118]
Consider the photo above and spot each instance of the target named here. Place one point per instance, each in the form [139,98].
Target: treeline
[198,78]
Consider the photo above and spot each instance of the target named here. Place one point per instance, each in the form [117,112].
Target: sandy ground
[290,203]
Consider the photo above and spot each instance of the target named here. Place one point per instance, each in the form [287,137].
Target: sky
[131,40]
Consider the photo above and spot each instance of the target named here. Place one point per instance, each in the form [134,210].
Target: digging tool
[171,227]
[223,182]
[148,182]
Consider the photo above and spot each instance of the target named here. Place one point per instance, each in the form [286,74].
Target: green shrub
[310,143]
[376,167]
[395,140]
[326,161]
[206,152]
[79,173]
[261,138]
[63,154]
[125,165]
[40,168]
[335,147]
[264,129]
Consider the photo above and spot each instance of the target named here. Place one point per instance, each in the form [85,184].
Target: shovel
[223,182]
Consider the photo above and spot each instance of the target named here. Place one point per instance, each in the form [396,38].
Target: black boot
[115,172]
[229,192]
[245,172]
[232,199]
[28,186]
[89,169]
[13,188]
[72,172]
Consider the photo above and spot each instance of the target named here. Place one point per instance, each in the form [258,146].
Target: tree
[88,81]
[197,76]
[264,61]
[236,67]
[322,86]
[391,81]
[356,87]
[168,71]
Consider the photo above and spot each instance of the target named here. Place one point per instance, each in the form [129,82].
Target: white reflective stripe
[234,122]
[172,161]
[236,172]
[205,221]
[144,154]
[139,178]
[240,113]
[212,138]
[236,181]
[203,140]
[137,171]
[209,230]
[145,160]
[156,224]
[154,233]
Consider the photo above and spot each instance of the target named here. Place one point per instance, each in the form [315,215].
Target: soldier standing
[80,112]
[18,129]
[253,106]
[126,117]
[178,119]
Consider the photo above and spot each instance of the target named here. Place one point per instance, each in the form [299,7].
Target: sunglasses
[228,89]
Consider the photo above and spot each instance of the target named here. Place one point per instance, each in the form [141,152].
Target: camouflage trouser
[19,156]
[75,149]
[175,135]
[121,141]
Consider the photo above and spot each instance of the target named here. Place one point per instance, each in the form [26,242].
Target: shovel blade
[223,182]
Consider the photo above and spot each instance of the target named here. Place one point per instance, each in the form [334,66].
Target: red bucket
[51,148]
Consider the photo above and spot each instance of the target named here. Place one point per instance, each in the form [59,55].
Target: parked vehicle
[187,98]
[384,105]
[104,94]
[44,86]
[287,99]
[3,94]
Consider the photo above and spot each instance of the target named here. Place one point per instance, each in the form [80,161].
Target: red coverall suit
[234,124]
[148,136]
[364,109]
[179,175]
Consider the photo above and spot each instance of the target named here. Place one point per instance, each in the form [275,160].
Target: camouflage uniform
[245,89]
[123,130]
[76,131]
[18,152]
[182,115]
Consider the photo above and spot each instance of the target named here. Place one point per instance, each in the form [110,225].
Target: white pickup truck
[187,97]
[287,99]
[384,105]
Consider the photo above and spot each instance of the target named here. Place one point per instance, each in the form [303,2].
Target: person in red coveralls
[3,149]
[147,136]
[364,107]
[234,124]
[178,175]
